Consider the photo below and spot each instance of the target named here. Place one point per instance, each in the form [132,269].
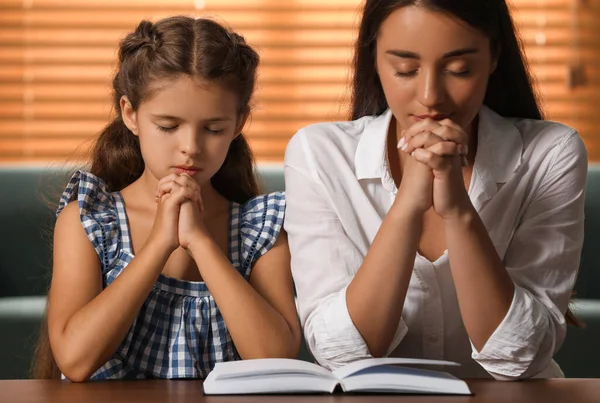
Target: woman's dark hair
[170,48]
[510,91]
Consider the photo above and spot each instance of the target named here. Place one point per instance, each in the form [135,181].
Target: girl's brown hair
[172,47]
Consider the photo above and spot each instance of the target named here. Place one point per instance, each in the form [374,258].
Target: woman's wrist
[405,213]
[408,205]
[462,215]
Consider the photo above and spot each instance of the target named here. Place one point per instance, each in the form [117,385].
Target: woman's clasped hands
[437,152]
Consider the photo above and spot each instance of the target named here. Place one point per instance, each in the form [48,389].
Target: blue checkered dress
[179,331]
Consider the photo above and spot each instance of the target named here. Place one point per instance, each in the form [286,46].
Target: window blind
[57,58]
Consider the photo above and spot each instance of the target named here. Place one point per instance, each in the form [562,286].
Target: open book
[373,375]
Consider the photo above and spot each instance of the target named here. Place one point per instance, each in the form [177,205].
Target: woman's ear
[240,125]
[128,115]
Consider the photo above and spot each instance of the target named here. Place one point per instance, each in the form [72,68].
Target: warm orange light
[57,58]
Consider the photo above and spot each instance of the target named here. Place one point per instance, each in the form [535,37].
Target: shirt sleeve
[261,220]
[324,261]
[542,260]
[97,212]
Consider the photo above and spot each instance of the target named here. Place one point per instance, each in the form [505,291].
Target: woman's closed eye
[413,73]
[458,68]
[406,74]
[460,73]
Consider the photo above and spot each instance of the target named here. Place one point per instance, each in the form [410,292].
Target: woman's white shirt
[528,186]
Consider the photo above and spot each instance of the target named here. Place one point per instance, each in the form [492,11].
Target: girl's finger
[168,178]
[169,187]
[181,194]
[187,181]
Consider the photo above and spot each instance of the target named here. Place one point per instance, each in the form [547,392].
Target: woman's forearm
[375,297]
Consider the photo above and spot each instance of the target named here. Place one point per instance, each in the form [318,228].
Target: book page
[266,367]
[354,367]
[398,379]
[278,384]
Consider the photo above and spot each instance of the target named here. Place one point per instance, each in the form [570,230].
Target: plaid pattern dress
[179,331]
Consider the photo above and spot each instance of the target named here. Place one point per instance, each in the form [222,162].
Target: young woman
[445,221]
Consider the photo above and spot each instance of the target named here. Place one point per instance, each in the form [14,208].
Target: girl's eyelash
[171,129]
[166,129]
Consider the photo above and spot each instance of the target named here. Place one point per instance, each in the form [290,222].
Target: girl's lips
[184,170]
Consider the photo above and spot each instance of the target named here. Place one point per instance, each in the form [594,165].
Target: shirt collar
[370,158]
[499,150]
[499,155]
[499,145]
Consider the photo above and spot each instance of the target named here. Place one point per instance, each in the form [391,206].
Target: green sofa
[26,222]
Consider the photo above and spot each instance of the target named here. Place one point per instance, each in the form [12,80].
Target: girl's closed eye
[213,130]
[167,129]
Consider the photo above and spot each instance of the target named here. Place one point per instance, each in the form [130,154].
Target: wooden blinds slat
[57,58]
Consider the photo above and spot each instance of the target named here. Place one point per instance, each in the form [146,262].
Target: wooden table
[542,391]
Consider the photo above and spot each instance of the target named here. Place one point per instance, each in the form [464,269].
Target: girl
[446,220]
[165,259]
